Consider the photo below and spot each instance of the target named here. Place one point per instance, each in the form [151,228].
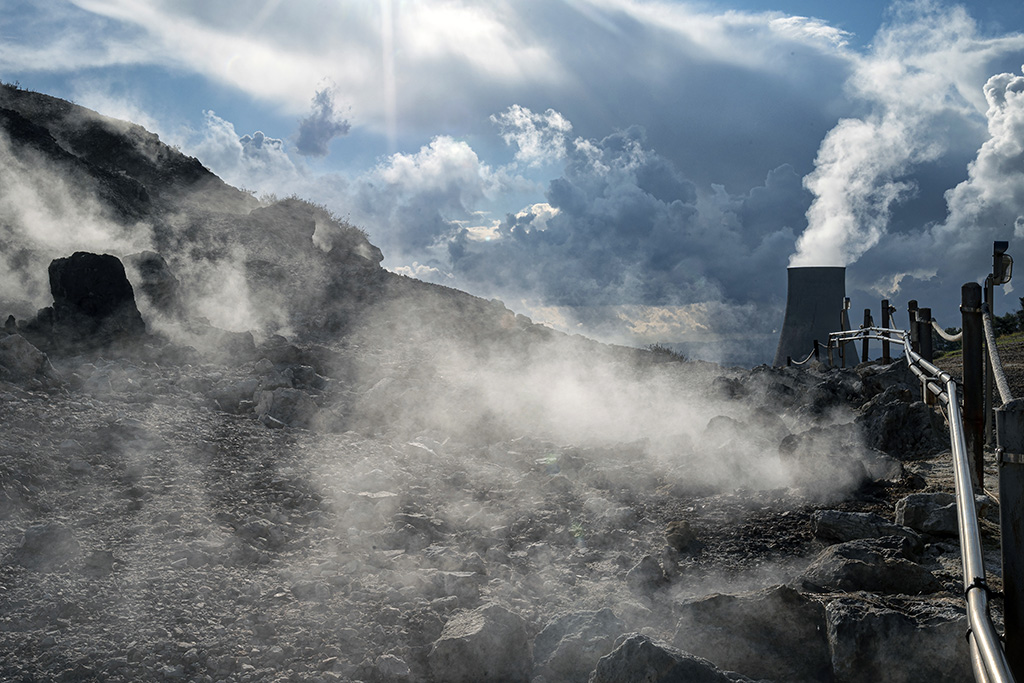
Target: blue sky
[639,171]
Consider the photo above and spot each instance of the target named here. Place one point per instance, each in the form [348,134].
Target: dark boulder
[883,565]
[93,303]
[486,644]
[570,645]
[638,659]
[775,633]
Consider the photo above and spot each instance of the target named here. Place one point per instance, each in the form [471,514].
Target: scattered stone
[488,644]
[872,643]
[775,633]
[568,648]
[879,565]
[638,659]
[681,537]
[929,513]
[646,574]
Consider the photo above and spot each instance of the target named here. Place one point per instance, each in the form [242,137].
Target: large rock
[896,424]
[638,659]
[775,633]
[882,565]
[570,645]
[483,645]
[21,362]
[870,643]
[93,302]
[839,526]
[930,513]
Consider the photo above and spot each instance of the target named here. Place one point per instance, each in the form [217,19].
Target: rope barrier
[805,360]
[945,335]
[993,354]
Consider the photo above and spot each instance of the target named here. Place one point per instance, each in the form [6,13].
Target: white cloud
[539,138]
[254,162]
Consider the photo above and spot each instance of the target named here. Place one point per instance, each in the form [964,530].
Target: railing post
[789,361]
[974,368]
[924,333]
[864,344]
[886,358]
[915,344]
[817,351]
[1010,436]
[990,378]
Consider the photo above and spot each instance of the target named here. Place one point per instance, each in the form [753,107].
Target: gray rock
[638,659]
[289,407]
[930,513]
[881,565]
[839,526]
[486,644]
[646,574]
[21,361]
[870,643]
[570,645]
[895,424]
[775,633]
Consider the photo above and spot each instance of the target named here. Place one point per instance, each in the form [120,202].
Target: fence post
[990,378]
[886,358]
[864,344]
[974,368]
[817,351]
[1010,436]
[915,345]
[924,333]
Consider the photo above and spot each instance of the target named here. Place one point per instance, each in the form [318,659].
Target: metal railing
[987,656]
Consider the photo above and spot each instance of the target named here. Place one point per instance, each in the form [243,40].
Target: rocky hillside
[236,449]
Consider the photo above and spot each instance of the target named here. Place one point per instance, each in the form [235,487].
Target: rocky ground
[413,484]
[155,525]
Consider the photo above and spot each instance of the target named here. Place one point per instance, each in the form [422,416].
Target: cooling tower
[814,307]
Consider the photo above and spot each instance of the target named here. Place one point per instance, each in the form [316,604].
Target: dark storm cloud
[321,126]
[625,227]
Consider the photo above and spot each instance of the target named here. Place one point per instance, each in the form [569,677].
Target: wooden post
[924,333]
[864,343]
[974,368]
[915,344]
[1010,436]
[817,350]
[886,323]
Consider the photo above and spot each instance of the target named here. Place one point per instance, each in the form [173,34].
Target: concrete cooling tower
[814,307]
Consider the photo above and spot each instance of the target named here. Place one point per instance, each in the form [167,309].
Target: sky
[637,171]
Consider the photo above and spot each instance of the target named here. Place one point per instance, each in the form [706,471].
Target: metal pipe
[982,629]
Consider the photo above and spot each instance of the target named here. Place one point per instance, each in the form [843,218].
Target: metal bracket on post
[973,376]
[1010,435]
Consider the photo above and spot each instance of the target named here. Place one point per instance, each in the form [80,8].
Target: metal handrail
[987,657]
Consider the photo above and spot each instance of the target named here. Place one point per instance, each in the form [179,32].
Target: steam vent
[814,307]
